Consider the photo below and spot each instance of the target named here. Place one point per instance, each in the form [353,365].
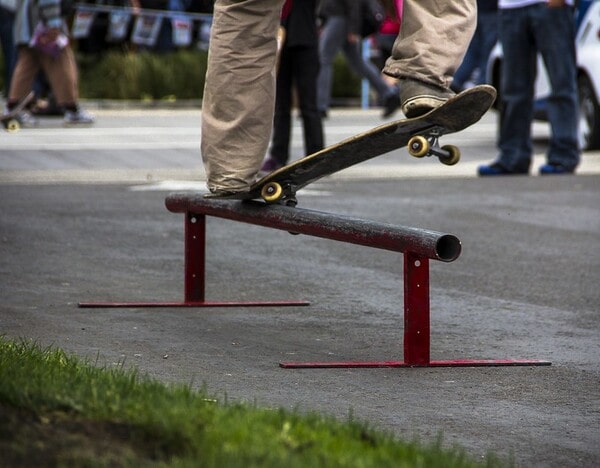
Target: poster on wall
[182,31]
[145,30]
[118,25]
[82,24]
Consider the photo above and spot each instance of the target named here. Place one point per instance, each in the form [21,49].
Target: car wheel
[589,115]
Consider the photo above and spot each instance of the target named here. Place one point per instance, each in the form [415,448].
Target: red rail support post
[194,257]
[194,276]
[416,309]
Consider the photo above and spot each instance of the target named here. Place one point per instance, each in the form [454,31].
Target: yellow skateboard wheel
[271,192]
[13,125]
[418,146]
[454,156]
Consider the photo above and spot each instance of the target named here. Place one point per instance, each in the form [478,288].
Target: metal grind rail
[418,246]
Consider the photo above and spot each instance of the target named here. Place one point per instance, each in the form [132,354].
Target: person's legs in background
[388,94]
[282,121]
[555,37]
[333,37]
[306,71]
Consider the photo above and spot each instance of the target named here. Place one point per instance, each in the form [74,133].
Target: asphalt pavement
[83,219]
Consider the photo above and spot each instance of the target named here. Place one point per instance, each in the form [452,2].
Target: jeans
[525,32]
[479,50]
[334,38]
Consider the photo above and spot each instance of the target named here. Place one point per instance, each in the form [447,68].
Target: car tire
[589,115]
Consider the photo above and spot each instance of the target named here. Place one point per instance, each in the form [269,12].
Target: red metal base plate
[453,363]
[101,305]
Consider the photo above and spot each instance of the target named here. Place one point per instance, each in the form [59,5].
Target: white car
[588,75]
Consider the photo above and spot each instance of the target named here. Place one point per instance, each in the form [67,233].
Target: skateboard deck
[9,119]
[420,134]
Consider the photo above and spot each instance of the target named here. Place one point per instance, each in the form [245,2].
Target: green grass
[57,410]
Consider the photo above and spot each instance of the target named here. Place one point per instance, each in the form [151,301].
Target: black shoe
[496,169]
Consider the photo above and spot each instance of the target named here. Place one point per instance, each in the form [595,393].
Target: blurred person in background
[529,28]
[341,30]
[7,41]
[298,69]
[43,44]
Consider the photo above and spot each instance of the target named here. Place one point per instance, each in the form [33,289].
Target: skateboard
[9,119]
[420,134]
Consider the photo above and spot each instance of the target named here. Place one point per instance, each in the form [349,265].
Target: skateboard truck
[420,146]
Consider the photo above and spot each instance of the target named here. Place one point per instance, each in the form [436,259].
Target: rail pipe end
[448,248]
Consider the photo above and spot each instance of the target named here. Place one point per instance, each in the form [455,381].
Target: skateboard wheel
[453,155]
[418,146]
[13,125]
[271,192]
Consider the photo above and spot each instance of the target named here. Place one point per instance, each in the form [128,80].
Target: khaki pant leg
[433,40]
[61,72]
[239,93]
[26,68]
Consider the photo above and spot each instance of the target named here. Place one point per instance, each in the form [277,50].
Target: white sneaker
[26,119]
[78,117]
